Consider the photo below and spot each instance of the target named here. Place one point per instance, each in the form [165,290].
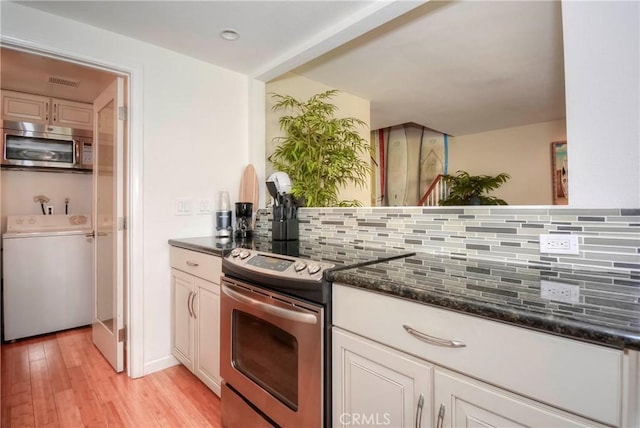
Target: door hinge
[122,334]
[122,223]
[122,113]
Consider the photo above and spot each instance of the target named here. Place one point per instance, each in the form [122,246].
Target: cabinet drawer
[202,265]
[579,377]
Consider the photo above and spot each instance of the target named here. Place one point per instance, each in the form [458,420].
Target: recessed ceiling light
[229,34]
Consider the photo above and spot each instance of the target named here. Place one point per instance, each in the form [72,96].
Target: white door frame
[133,263]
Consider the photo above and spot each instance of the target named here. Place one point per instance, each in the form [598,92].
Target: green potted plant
[319,152]
[465,189]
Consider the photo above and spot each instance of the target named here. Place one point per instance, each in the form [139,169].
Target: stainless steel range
[275,341]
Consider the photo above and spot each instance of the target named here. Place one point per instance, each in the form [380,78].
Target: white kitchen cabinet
[25,107]
[486,372]
[71,114]
[183,288]
[206,310]
[374,385]
[461,401]
[195,287]
[22,107]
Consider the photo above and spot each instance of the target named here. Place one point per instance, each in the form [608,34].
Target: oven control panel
[277,265]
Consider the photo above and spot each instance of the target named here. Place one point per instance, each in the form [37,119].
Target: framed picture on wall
[560,171]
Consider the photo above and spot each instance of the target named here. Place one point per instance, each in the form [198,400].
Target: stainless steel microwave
[44,147]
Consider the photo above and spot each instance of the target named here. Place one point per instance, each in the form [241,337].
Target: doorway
[47,75]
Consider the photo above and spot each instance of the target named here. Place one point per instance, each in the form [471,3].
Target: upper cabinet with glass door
[23,107]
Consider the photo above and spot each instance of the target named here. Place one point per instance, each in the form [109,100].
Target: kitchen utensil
[282,182]
[249,189]
[271,187]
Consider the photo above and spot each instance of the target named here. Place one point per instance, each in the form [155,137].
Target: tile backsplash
[494,253]
[609,239]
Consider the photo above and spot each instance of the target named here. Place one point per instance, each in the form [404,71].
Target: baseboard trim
[160,364]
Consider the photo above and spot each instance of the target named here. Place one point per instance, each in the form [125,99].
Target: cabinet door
[207,313]
[25,107]
[466,402]
[377,386]
[183,334]
[72,114]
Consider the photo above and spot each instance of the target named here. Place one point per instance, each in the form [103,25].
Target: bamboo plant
[320,153]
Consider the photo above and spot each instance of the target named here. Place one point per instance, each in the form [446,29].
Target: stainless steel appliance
[31,145]
[223,216]
[244,219]
[275,341]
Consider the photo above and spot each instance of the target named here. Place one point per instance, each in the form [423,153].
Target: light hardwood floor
[62,380]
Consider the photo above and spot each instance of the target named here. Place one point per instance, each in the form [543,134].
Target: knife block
[285,230]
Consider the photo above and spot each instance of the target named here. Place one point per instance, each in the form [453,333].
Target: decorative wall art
[560,171]
[408,158]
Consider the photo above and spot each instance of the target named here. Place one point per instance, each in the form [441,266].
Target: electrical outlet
[559,244]
[50,209]
[182,206]
[559,291]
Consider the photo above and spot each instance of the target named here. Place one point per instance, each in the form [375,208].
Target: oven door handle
[289,314]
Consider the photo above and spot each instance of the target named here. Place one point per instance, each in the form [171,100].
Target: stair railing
[436,191]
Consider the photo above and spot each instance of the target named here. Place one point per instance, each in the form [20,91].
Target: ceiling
[456,67]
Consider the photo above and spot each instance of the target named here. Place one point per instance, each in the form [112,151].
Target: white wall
[602,58]
[19,188]
[523,152]
[303,88]
[193,131]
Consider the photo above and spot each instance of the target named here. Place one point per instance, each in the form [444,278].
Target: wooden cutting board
[249,190]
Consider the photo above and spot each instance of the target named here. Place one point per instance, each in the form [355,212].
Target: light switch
[183,206]
[205,206]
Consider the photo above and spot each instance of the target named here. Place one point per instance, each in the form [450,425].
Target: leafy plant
[465,189]
[319,152]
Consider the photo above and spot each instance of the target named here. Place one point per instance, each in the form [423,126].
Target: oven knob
[235,252]
[299,266]
[313,269]
[244,254]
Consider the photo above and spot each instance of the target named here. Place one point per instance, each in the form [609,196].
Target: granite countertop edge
[571,329]
[201,248]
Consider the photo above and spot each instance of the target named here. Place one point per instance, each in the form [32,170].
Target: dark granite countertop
[499,291]
[511,293]
[206,244]
[342,255]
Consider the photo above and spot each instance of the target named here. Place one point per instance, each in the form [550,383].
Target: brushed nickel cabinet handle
[193,304]
[419,411]
[432,339]
[192,264]
[189,303]
[440,416]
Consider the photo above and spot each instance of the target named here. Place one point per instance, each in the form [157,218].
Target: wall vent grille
[64,81]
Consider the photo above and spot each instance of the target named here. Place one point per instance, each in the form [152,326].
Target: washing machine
[47,274]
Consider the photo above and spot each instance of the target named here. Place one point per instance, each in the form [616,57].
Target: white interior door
[108,212]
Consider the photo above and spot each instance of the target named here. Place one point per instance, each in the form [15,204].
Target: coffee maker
[244,219]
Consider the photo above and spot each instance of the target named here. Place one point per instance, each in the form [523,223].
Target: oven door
[272,353]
